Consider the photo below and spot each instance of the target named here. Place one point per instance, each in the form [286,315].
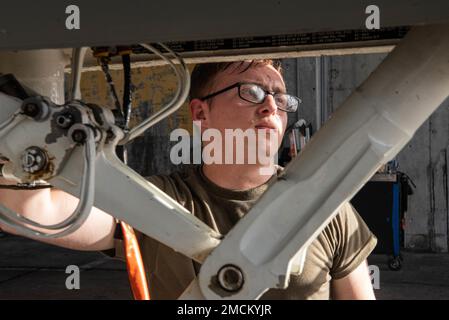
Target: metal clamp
[85,204]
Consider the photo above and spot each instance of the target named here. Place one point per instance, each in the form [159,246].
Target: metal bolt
[64,120]
[230,278]
[34,159]
[37,108]
[31,110]
[79,136]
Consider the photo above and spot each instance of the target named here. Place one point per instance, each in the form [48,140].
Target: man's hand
[355,286]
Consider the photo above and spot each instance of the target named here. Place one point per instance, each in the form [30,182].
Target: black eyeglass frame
[239,84]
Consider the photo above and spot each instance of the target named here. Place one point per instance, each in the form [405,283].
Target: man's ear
[200,111]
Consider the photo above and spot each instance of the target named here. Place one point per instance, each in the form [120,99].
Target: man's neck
[238,177]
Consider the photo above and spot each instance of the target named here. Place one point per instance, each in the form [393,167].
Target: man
[246,95]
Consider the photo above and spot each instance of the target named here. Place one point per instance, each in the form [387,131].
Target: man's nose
[268,106]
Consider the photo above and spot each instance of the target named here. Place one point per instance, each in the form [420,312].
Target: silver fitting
[34,159]
[230,278]
[79,133]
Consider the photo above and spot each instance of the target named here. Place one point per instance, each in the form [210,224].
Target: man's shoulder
[347,239]
[176,183]
[340,223]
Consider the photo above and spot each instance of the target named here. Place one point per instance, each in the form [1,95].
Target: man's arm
[355,286]
[50,206]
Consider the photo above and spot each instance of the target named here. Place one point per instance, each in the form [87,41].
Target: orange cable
[134,264]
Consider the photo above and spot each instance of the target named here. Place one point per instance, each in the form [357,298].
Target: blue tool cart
[382,203]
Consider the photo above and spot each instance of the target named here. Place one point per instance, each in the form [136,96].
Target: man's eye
[253,92]
[281,99]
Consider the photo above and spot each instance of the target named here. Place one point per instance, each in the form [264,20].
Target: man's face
[229,111]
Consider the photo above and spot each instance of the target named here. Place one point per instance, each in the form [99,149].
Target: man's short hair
[203,75]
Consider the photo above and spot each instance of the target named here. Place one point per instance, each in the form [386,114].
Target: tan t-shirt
[341,247]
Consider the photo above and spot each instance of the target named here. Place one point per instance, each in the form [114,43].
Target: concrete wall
[323,84]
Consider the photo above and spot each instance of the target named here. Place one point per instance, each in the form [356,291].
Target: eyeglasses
[254,93]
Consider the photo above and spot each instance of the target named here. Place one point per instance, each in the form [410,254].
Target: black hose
[104,62]
[127,90]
